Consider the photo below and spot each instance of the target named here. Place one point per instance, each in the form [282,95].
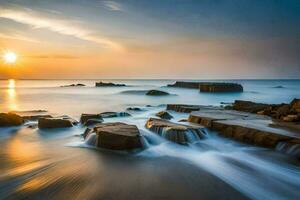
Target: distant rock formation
[209,86]
[74,85]
[114,136]
[156,93]
[90,119]
[221,87]
[178,133]
[103,84]
[10,119]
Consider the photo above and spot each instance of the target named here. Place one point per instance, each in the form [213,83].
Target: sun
[10,57]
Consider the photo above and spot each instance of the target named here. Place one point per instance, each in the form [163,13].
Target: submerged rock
[178,133]
[115,136]
[156,93]
[164,115]
[57,122]
[183,108]
[114,114]
[134,109]
[10,119]
[85,117]
[103,84]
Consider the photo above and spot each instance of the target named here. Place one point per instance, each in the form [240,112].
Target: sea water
[46,164]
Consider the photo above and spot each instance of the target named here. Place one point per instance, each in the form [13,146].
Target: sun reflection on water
[11,95]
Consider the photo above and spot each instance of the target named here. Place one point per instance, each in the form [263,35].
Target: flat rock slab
[57,122]
[116,136]
[246,127]
[175,132]
[183,108]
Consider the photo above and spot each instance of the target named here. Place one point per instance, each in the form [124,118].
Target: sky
[161,39]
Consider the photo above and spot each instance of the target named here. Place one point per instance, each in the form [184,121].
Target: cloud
[59,25]
[18,37]
[54,56]
[113,6]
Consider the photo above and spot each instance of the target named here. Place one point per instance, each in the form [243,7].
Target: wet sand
[36,165]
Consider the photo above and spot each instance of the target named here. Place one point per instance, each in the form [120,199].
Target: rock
[183,108]
[244,127]
[91,122]
[74,85]
[164,115]
[58,122]
[249,106]
[10,119]
[156,93]
[280,112]
[209,86]
[103,84]
[134,109]
[85,117]
[183,120]
[116,136]
[220,87]
[291,118]
[114,114]
[178,133]
[278,86]
[295,106]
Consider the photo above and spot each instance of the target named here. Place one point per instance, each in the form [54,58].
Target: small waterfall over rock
[289,148]
[179,133]
[91,139]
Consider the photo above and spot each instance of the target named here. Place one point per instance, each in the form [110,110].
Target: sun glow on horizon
[10,57]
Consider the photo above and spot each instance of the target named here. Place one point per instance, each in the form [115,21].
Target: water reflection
[12,95]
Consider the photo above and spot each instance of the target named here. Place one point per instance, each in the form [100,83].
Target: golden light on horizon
[10,57]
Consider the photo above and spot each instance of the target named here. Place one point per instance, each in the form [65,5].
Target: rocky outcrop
[220,87]
[285,112]
[246,127]
[114,136]
[85,117]
[56,122]
[164,115]
[183,108]
[178,133]
[209,86]
[103,84]
[249,106]
[114,114]
[156,93]
[10,119]
[74,85]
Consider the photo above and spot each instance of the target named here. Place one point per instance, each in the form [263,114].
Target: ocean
[58,164]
